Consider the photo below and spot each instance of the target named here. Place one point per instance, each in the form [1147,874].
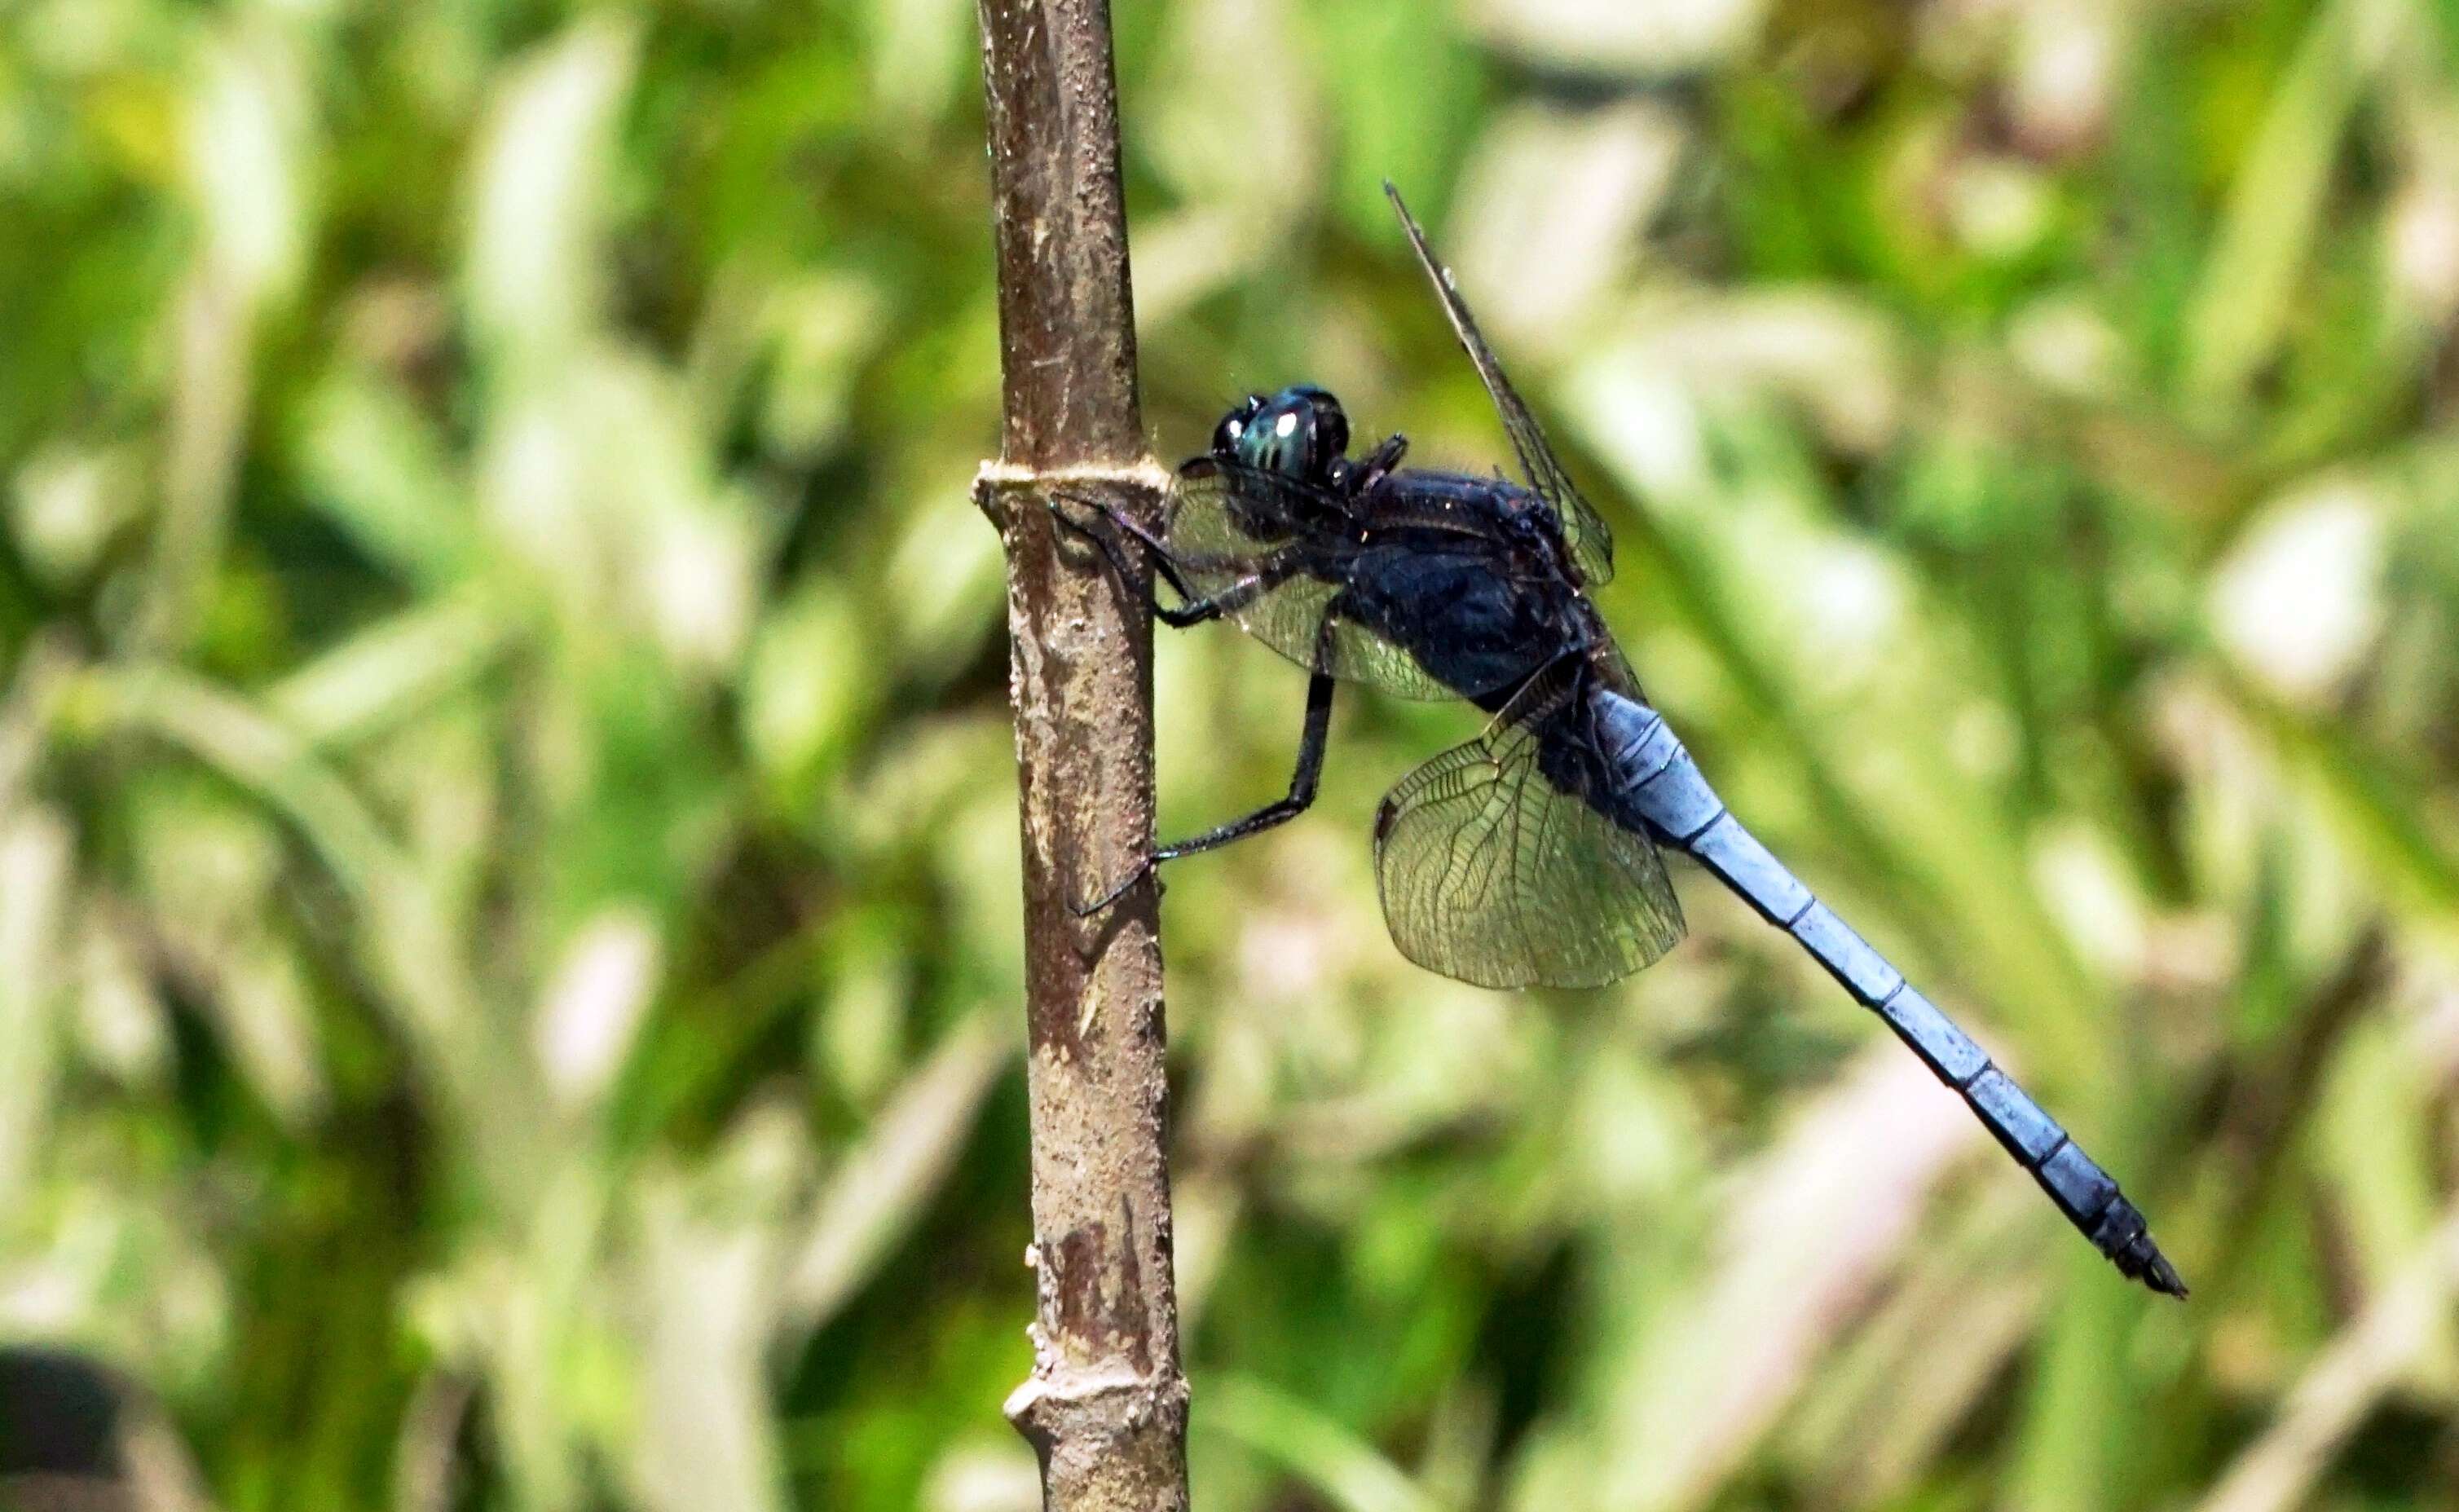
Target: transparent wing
[1493,870]
[1270,551]
[1591,543]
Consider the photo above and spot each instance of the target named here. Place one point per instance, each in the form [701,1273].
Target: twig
[1105,1406]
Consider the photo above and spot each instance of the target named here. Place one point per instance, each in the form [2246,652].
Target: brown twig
[1105,1406]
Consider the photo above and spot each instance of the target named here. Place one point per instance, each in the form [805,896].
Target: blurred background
[509,981]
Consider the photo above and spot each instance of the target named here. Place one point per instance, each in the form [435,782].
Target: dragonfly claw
[1103,507]
[1141,870]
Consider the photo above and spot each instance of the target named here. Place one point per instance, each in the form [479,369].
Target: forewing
[1591,543]
[1607,666]
[1258,543]
[1493,874]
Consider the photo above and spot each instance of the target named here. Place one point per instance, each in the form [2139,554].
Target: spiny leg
[1311,740]
[1170,560]
[1376,464]
[1197,608]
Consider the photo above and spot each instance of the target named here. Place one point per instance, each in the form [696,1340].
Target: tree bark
[1105,1406]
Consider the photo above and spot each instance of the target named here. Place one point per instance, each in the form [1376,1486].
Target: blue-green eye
[1233,427]
[1298,433]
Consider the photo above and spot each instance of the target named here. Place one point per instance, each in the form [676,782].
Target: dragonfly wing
[1610,670]
[1254,541]
[1591,543]
[1494,871]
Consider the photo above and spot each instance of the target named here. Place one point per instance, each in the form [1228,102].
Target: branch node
[997,483]
[1108,1399]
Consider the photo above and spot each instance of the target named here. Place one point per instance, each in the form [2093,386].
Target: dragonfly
[1532,855]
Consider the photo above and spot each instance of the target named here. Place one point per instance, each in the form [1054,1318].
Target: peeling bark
[1105,1406]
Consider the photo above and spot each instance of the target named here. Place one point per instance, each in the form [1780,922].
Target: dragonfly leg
[1195,608]
[1163,551]
[1311,740]
[1376,464]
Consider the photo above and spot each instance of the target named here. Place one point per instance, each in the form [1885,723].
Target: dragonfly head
[1299,432]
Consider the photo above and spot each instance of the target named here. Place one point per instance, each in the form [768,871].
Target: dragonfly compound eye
[1233,429]
[1331,425]
[1298,433]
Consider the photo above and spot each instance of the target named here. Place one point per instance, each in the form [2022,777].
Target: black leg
[1194,611]
[1120,519]
[1253,582]
[1301,795]
[1197,608]
[1371,469]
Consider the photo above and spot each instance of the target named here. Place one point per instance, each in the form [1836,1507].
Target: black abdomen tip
[2145,1263]
[2122,1235]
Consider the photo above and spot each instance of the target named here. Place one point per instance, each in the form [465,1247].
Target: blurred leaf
[35,879]
[534,281]
[877,1187]
[2249,285]
[1323,1456]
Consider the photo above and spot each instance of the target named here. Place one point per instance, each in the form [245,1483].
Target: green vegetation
[508,903]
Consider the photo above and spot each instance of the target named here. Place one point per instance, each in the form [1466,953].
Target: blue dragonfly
[1532,855]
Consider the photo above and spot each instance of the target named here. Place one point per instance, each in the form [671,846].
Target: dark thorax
[1467,575]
